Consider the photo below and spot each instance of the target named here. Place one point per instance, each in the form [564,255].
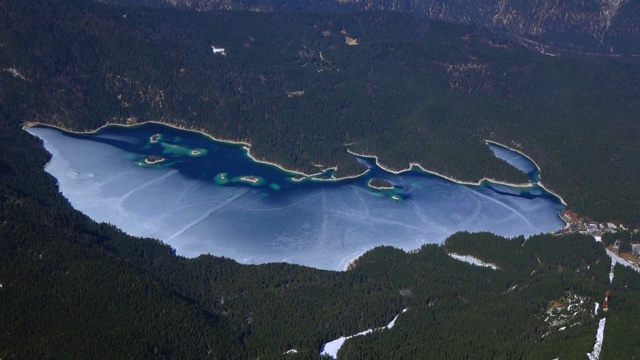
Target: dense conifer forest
[75,289]
[72,288]
[407,89]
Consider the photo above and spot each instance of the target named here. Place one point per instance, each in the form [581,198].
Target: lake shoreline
[140,135]
[537,167]
[247,147]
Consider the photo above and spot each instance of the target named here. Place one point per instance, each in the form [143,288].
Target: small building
[635,249]
[569,216]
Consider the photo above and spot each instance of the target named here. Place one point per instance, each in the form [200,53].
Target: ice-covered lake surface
[205,196]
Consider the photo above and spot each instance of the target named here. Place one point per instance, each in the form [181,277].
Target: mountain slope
[552,26]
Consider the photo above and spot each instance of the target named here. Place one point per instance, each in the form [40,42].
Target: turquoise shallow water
[210,197]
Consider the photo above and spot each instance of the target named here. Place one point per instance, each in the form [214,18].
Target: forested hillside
[75,289]
[411,90]
[590,26]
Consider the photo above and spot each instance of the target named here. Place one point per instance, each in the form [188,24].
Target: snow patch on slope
[473,260]
[615,259]
[332,347]
[595,354]
[218,51]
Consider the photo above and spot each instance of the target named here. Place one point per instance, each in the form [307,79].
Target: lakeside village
[617,238]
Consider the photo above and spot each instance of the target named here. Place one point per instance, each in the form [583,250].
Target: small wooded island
[380,184]
[153,159]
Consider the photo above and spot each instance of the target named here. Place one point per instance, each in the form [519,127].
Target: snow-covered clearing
[393,322]
[218,51]
[615,259]
[595,354]
[473,261]
[332,347]
[291,351]
[564,313]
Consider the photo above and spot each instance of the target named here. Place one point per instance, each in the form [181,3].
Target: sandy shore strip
[251,179]
[351,264]
[333,178]
[151,162]
[381,187]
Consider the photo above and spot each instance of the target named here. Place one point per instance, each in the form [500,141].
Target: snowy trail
[132,191]
[325,222]
[513,211]
[473,261]
[595,353]
[206,214]
[615,259]
[297,203]
[115,177]
[473,216]
[332,347]
[184,193]
[357,193]
[176,210]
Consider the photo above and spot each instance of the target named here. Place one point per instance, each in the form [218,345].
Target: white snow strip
[393,322]
[472,260]
[595,310]
[13,71]
[291,351]
[332,347]
[615,259]
[595,354]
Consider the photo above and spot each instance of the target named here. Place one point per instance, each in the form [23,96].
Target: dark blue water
[207,196]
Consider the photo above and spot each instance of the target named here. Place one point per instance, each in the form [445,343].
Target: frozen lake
[203,196]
